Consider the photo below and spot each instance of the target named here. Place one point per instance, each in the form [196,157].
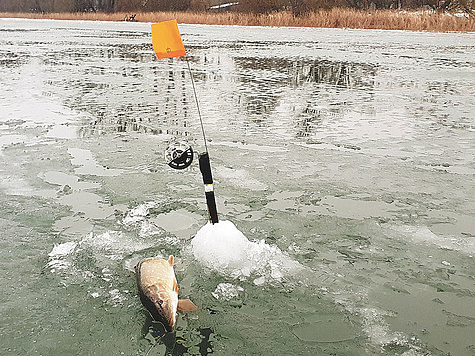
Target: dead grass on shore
[334,18]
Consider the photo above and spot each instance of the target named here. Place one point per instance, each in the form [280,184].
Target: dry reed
[333,18]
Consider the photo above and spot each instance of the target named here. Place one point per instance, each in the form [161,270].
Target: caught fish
[158,290]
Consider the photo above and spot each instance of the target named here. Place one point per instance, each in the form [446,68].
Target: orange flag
[166,40]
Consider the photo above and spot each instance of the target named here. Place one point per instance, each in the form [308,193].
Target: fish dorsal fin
[186,305]
[171,260]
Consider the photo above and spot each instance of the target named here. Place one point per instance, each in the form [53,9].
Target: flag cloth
[166,40]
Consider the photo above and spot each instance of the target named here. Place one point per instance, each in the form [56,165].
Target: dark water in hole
[344,156]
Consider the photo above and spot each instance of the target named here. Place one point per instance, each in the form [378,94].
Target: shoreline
[429,21]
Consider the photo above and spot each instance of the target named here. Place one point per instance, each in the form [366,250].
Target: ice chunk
[138,213]
[226,291]
[62,249]
[115,244]
[225,249]
[58,256]
[259,281]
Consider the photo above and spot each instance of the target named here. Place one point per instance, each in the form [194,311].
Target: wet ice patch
[181,223]
[239,178]
[148,229]
[89,204]
[8,140]
[352,208]
[63,131]
[223,248]
[64,179]
[88,165]
[177,221]
[14,185]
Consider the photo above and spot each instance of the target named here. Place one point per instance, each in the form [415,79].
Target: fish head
[162,304]
[166,305]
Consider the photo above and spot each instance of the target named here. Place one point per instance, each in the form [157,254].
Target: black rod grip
[205,168]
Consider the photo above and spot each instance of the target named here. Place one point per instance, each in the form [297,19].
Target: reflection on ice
[224,249]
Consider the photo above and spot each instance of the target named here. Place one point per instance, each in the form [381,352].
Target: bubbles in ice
[225,249]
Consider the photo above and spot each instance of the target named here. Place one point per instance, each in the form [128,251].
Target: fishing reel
[179,155]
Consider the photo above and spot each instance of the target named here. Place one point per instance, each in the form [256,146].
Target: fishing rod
[167,43]
[197,103]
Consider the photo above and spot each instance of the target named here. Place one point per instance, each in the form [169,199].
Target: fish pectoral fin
[186,305]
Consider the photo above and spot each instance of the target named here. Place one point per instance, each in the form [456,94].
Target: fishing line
[205,166]
[150,349]
[197,104]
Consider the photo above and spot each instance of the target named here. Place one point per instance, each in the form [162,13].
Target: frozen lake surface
[344,173]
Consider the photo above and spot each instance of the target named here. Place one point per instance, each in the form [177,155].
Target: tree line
[298,7]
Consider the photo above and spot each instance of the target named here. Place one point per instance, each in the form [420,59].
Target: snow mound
[225,249]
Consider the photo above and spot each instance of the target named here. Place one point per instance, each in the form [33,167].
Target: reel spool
[179,155]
